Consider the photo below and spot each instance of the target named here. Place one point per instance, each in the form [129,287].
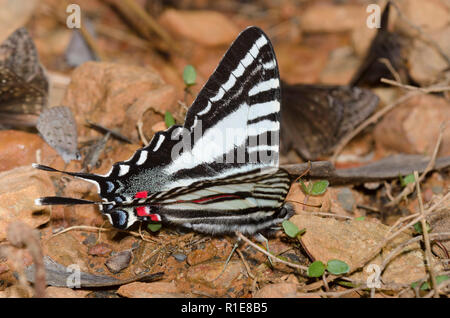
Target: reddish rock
[300,64]
[413,127]
[100,249]
[4,268]
[18,148]
[209,28]
[18,189]
[341,66]
[208,274]
[103,93]
[280,290]
[150,290]
[66,250]
[61,292]
[429,15]
[202,255]
[426,64]
[149,107]
[323,17]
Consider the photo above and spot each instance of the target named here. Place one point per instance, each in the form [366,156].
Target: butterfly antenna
[63,201]
[82,175]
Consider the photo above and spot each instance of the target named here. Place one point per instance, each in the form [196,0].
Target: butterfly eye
[286,211]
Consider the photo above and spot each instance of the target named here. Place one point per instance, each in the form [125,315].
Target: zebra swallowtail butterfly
[219,172]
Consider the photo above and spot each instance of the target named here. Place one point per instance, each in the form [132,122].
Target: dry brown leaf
[352,241]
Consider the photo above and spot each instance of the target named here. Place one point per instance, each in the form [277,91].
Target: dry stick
[151,23]
[399,249]
[391,69]
[100,229]
[90,41]
[21,235]
[414,91]
[410,187]
[331,294]
[426,237]
[372,119]
[431,89]
[435,292]
[273,257]
[380,246]
[249,272]
[86,35]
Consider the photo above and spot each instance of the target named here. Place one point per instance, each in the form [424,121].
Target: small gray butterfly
[58,128]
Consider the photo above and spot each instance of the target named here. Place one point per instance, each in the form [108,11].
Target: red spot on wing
[211,198]
[142,211]
[141,195]
[155,217]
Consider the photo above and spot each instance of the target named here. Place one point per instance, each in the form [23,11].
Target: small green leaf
[168,118]
[316,269]
[414,285]
[189,75]
[346,284]
[441,278]
[305,189]
[427,286]
[360,218]
[404,181]
[154,227]
[418,227]
[337,267]
[291,229]
[319,187]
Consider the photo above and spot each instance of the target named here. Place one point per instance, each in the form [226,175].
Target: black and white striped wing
[232,127]
[248,202]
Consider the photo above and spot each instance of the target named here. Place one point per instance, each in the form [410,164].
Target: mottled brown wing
[24,88]
[315,117]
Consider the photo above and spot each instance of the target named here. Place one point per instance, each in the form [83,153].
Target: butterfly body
[218,173]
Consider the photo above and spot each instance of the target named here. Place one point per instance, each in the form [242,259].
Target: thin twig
[435,292]
[249,272]
[410,187]
[150,23]
[426,237]
[381,245]
[400,248]
[273,257]
[391,69]
[426,90]
[371,120]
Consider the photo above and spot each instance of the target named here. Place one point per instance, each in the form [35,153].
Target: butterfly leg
[262,239]
[235,246]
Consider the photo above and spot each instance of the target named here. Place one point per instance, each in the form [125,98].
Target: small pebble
[101,249]
[90,239]
[179,257]
[345,197]
[119,261]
